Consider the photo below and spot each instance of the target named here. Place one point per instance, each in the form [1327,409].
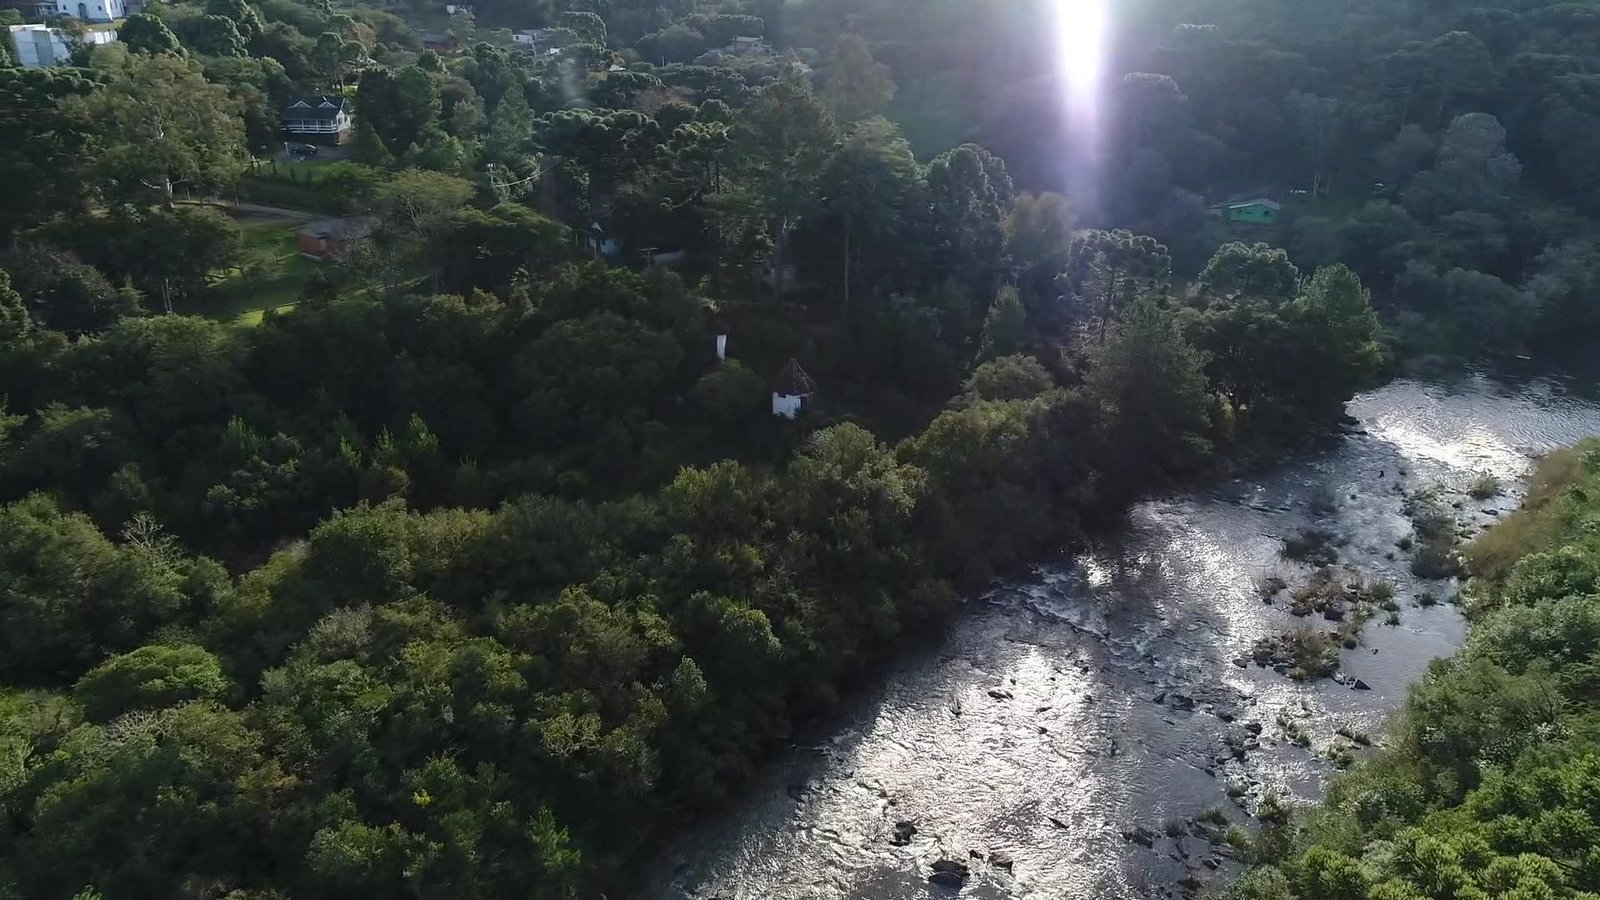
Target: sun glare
[1080,41]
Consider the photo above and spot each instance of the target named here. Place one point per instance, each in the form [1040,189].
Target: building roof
[343,229]
[313,108]
[1273,205]
[793,381]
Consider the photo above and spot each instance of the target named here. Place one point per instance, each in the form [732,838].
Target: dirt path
[255,212]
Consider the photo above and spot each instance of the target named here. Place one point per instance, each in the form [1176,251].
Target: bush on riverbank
[1486,785]
[1538,522]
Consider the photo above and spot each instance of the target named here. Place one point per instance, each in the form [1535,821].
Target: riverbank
[1036,731]
[1486,784]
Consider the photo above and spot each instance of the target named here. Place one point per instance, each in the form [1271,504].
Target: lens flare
[1080,41]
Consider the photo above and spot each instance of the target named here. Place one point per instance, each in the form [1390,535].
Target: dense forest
[1488,784]
[473,568]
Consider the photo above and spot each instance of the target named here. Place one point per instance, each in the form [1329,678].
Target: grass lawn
[271,274]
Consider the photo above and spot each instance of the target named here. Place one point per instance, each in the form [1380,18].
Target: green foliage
[1107,270]
[15,323]
[857,85]
[1007,378]
[71,597]
[1151,383]
[970,192]
[1005,328]
[1038,236]
[369,149]
[152,677]
[871,189]
[1239,270]
[1546,510]
[1485,487]
[158,126]
[519,576]
[146,33]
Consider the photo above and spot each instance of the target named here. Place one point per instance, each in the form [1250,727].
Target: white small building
[39,46]
[741,46]
[528,37]
[92,10]
[792,391]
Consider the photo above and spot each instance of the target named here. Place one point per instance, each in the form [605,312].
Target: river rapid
[1063,740]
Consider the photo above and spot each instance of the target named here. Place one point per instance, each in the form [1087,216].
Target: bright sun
[1080,39]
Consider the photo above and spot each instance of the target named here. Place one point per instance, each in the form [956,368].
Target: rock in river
[949,873]
[903,833]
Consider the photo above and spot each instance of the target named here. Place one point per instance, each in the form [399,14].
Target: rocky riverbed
[1096,729]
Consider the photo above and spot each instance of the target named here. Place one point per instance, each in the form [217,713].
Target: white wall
[38,46]
[786,405]
[93,10]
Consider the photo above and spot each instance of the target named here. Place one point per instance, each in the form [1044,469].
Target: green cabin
[1257,211]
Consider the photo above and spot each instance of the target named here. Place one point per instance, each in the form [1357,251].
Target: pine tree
[1005,327]
[368,148]
[14,321]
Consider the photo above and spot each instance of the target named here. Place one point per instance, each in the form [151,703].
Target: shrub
[1214,816]
[1310,653]
[1434,562]
[1484,487]
[1312,546]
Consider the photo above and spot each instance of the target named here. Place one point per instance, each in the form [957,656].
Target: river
[1074,717]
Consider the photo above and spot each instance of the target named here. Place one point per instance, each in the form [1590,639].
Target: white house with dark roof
[324,118]
[792,391]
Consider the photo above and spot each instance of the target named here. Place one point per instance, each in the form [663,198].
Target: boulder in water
[1361,685]
[1140,835]
[1000,695]
[903,833]
[1000,860]
[949,873]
